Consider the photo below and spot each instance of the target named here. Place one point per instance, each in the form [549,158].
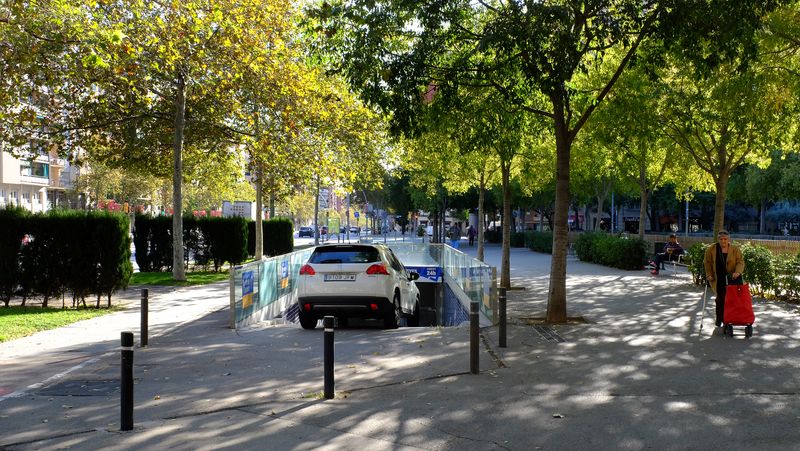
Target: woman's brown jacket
[734,263]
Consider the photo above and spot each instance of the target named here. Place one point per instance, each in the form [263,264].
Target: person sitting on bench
[671,252]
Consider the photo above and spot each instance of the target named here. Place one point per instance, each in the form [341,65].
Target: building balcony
[34,180]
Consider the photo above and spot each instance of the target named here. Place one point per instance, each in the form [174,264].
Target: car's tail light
[373,306]
[377,269]
[307,270]
[307,307]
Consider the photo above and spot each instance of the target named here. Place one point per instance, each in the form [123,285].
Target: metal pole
[473,338]
[613,213]
[126,382]
[502,314]
[144,322]
[327,323]
[687,216]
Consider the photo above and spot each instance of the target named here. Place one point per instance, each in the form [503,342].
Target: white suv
[356,281]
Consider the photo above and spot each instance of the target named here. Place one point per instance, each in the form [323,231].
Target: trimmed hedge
[278,236]
[206,241]
[610,250]
[493,236]
[539,242]
[49,254]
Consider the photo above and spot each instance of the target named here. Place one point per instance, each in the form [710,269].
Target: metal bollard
[126,382]
[502,307]
[473,338]
[327,324]
[144,319]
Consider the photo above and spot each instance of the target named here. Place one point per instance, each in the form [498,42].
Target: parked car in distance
[356,281]
[354,230]
[306,231]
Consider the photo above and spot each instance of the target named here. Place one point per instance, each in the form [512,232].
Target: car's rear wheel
[307,321]
[393,320]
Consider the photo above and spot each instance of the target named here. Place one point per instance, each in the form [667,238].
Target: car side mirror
[413,276]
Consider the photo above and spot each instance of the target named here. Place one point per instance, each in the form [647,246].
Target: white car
[356,281]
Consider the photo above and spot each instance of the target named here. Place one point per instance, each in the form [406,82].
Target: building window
[2,193]
[26,196]
[35,169]
[36,197]
[12,195]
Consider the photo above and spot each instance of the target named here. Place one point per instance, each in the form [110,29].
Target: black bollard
[327,324]
[126,382]
[502,307]
[144,325]
[473,338]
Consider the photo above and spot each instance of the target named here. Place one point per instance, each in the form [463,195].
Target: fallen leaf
[66,406]
[558,415]
[157,397]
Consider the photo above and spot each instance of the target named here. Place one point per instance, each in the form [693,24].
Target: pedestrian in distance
[455,236]
[471,232]
[670,252]
[723,263]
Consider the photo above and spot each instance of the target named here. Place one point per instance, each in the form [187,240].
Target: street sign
[355,213]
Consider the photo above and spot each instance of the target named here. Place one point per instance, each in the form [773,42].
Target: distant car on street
[306,231]
[356,281]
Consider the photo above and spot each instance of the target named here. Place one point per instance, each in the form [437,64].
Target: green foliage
[12,223]
[759,268]
[696,254]
[787,282]
[518,239]
[208,240]
[539,242]
[614,251]
[66,250]
[494,236]
[278,237]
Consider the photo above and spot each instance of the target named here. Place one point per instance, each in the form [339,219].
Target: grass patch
[165,278]
[16,322]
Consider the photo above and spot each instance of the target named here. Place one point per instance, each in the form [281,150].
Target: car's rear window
[345,254]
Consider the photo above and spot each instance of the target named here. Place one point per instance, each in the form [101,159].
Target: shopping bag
[738,305]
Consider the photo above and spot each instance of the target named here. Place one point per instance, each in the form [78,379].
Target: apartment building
[37,182]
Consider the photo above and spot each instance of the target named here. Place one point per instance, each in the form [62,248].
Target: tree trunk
[643,211]
[505,261]
[271,204]
[259,252]
[178,270]
[761,219]
[601,199]
[719,204]
[644,193]
[557,295]
[481,213]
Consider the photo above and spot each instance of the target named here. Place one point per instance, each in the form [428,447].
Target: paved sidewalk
[637,376]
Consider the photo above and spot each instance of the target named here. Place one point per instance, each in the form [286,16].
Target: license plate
[340,277]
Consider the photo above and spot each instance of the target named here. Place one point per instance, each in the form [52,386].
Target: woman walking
[723,263]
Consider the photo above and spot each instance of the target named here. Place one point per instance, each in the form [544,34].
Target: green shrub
[759,268]
[518,239]
[278,237]
[12,223]
[787,282]
[584,245]
[539,242]
[608,250]
[493,236]
[695,255]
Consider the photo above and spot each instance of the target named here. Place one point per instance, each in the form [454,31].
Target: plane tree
[534,55]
